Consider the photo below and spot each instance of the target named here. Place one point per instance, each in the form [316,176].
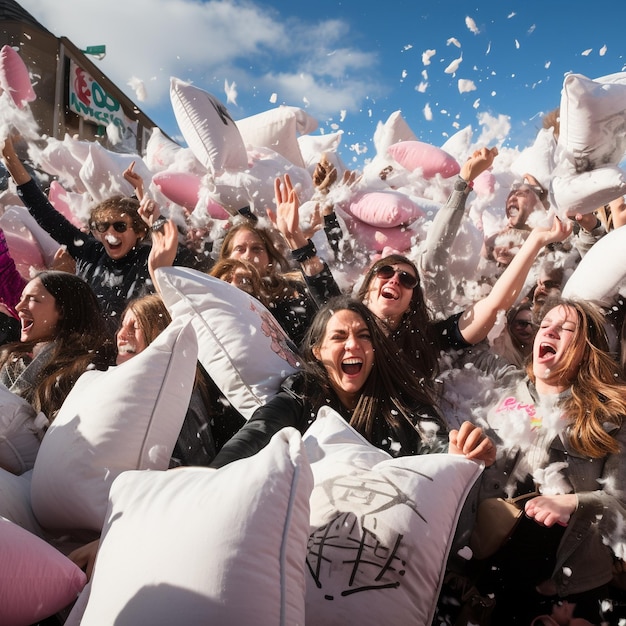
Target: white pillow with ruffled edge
[127,417]
[240,344]
[198,546]
[381,528]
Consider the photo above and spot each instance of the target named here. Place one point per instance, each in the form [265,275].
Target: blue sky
[352,64]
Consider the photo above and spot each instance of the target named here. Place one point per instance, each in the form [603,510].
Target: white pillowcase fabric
[125,418]
[199,546]
[381,528]
[240,344]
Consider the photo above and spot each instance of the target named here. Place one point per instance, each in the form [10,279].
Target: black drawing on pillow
[357,550]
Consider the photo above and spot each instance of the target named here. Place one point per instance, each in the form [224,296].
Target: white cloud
[454,41]
[205,42]
[428,113]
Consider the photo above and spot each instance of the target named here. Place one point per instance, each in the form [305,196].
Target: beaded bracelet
[304,253]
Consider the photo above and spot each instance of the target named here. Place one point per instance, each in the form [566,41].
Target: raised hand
[479,161]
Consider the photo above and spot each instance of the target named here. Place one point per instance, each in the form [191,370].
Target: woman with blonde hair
[561,440]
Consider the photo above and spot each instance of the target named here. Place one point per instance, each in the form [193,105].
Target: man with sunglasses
[112,257]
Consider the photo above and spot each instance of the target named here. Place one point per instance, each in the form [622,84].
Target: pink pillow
[376,239]
[430,159]
[25,251]
[184,188]
[36,580]
[59,199]
[14,77]
[385,209]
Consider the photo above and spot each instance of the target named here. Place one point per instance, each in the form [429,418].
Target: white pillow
[21,430]
[593,120]
[15,501]
[276,129]
[601,272]
[36,580]
[313,146]
[198,546]
[395,129]
[381,528]
[585,192]
[207,128]
[240,344]
[127,417]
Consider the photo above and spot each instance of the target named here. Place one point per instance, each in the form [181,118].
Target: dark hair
[81,340]
[391,392]
[120,206]
[414,337]
[598,388]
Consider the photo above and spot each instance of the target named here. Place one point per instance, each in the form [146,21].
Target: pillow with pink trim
[36,580]
[431,160]
[14,77]
[385,209]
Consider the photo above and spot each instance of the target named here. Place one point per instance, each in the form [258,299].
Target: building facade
[73,96]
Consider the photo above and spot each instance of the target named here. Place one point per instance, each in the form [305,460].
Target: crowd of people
[548,421]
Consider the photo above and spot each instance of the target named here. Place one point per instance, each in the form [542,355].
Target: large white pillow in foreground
[125,418]
[240,344]
[197,546]
[381,528]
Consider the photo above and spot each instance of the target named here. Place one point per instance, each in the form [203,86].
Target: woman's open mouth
[352,366]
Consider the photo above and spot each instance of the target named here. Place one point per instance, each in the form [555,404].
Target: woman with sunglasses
[392,287]
[349,364]
[112,257]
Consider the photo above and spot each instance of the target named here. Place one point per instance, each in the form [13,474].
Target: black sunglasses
[102,227]
[408,281]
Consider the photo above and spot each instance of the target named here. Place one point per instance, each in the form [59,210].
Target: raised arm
[286,219]
[435,258]
[478,319]
[38,205]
